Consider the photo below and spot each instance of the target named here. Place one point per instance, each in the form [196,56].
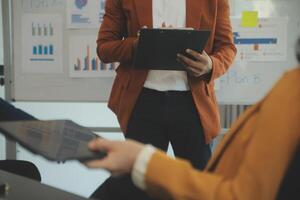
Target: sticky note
[249,19]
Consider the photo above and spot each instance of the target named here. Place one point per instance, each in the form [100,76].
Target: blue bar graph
[247,41]
[42,52]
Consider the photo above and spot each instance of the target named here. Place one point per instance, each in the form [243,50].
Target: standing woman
[159,107]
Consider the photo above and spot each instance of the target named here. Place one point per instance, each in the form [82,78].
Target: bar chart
[84,61]
[42,43]
[45,52]
[42,32]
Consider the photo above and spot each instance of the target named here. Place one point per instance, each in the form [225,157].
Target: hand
[120,155]
[202,63]
[164,26]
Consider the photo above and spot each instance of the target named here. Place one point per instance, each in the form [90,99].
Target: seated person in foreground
[249,164]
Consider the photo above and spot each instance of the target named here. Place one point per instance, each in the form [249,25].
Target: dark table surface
[21,188]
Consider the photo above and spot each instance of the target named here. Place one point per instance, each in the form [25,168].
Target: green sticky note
[249,19]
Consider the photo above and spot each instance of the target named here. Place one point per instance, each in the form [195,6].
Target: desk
[21,188]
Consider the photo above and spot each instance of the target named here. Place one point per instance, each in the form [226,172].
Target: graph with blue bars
[265,42]
[42,50]
[42,32]
[249,41]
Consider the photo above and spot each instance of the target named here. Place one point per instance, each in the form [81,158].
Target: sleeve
[140,166]
[269,151]
[113,43]
[9,113]
[224,50]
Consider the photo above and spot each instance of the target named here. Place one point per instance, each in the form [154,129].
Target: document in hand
[157,49]
[56,140]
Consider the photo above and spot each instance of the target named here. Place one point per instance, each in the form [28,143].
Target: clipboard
[157,49]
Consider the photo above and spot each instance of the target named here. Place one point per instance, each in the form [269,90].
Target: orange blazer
[250,162]
[122,21]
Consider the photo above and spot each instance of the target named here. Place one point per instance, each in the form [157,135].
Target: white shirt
[172,13]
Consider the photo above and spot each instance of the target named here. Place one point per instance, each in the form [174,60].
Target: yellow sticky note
[249,19]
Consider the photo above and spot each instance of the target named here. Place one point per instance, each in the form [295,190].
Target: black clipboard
[55,140]
[157,49]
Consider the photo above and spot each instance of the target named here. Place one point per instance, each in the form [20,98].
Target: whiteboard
[246,82]
[43,78]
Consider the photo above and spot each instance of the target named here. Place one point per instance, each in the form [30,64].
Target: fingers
[164,26]
[194,68]
[143,27]
[195,72]
[201,64]
[186,61]
[106,164]
[100,145]
[198,56]
[103,163]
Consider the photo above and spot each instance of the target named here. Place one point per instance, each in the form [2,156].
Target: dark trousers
[159,118]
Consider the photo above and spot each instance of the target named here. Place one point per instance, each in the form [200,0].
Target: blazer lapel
[230,136]
[144,12]
[193,14]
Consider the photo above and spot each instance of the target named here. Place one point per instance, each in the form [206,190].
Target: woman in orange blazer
[249,164]
[159,107]
[116,43]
